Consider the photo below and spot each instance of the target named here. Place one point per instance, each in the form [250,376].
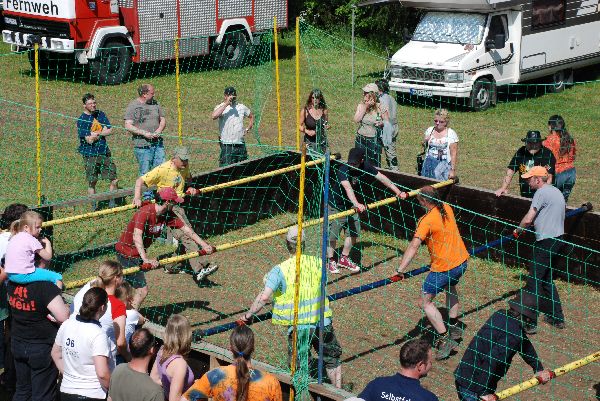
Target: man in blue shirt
[415,362]
[93,127]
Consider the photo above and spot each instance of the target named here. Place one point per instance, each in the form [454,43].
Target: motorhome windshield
[445,27]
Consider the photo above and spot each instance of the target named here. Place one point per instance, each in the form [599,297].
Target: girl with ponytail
[449,258]
[239,379]
[562,145]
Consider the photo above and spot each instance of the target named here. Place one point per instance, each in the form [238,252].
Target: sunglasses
[439,121]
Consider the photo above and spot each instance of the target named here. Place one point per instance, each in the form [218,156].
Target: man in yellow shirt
[174,173]
[449,256]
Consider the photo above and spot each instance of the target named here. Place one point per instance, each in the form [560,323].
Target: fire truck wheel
[112,64]
[483,94]
[231,53]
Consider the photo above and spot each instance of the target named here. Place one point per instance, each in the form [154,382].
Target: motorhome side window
[547,12]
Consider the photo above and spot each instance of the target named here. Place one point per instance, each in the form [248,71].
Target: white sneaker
[205,272]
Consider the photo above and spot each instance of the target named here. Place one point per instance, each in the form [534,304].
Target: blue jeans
[436,282]
[436,169]
[565,182]
[464,394]
[149,157]
[35,370]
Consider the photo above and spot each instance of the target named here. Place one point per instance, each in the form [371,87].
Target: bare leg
[452,302]
[331,248]
[349,242]
[335,376]
[138,298]
[114,185]
[433,314]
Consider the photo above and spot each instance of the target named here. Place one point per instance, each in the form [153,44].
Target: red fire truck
[110,35]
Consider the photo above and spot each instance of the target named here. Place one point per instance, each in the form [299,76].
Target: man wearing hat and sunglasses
[547,215]
[533,153]
[231,115]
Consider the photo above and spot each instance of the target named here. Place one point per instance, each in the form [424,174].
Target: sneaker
[332,267]
[348,264]
[445,345]
[559,324]
[206,271]
[529,328]
[455,331]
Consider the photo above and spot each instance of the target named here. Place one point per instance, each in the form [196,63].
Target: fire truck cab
[110,35]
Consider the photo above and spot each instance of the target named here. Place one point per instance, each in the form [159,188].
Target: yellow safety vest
[309,302]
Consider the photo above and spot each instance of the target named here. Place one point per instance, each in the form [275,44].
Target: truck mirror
[499,41]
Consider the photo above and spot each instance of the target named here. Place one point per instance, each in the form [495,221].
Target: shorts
[436,282]
[137,279]
[99,166]
[332,350]
[351,224]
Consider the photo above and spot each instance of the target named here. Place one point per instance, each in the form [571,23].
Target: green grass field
[371,324]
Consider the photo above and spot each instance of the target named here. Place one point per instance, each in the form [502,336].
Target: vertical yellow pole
[298,83]
[38,154]
[298,258]
[279,139]
[179,117]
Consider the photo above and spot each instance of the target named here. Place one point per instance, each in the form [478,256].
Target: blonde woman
[441,148]
[110,276]
[370,118]
[170,368]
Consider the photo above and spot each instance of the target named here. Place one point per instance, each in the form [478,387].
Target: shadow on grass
[422,328]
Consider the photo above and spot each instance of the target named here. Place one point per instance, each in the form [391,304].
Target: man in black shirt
[490,353]
[532,154]
[342,197]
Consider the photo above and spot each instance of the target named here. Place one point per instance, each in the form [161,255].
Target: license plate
[10,21]
[421,92]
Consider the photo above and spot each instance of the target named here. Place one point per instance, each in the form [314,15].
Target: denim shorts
[436,282]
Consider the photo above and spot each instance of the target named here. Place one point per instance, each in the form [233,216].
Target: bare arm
[221,108]
[106,131]
[102,370]
[388,183]
[179,371]
[46,252]
[409,254]
[92,137]
[121,340]
[352,197]
[59,309]
[251,121]
[259,302]
[137,192]
[138,131]
[361,110]
[505,182]
[453,159]
[139,245]
[56,354]
[154,373]
[527,220]
[161,125]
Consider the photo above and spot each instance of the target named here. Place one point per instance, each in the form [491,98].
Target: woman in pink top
[22,249]
[562,145]
[170,368]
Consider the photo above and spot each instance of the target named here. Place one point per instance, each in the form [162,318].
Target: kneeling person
[279,285]
[145,226]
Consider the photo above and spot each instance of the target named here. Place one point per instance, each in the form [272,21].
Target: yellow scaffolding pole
[298,83]
[526,385]
[38,137]
[297,278]
[260,237]
[277,88]
[178,88]
[205,190]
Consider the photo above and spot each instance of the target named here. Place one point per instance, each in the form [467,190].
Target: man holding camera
[231,128]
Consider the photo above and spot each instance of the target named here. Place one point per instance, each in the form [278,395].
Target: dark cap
[356,155]
[533,137]
[525,304]
[230,90]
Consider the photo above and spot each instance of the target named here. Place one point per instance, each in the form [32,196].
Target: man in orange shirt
[449,257]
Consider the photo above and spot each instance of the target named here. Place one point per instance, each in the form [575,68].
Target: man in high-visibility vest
[280,286]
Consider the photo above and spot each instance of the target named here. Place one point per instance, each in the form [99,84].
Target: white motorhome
[466,48]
